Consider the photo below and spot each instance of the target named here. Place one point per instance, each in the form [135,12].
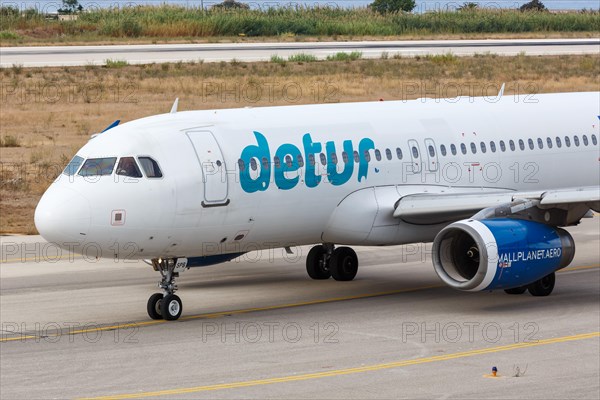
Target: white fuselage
[209,202]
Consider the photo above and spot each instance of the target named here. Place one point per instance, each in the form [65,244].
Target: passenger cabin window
[242,165]
[463,148]
[431,151]
[530,143]
[323,159]
[521,144]
[511,143]
[265,163]
[549,142]
[345,157]
[493,146]
[98,166]
[277,162]
[73,166]
[443,150]
[594,140]
[288,161]
[300,161]
[502,146]
[540,143]
[356,157]
[311,159]
[453,149]
[128,167]
[378,155]
[415,152]
[399,153]
[483,148]
[152,170]
[388,154]
[473,148]
[558,142]
[576,140]
[334,159]
[585,140]
[567,141]
[253,164]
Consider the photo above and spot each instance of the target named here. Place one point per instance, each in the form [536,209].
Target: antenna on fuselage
[175,105]
[501,93]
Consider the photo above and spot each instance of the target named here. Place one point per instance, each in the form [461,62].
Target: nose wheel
[166,305]
[154,306]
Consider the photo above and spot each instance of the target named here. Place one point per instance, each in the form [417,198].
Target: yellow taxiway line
[226,313]
[71,256]
[355,370]
[249,310]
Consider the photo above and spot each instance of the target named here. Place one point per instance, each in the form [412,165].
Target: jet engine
[499,253]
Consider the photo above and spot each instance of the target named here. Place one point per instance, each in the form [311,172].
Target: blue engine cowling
[499,253]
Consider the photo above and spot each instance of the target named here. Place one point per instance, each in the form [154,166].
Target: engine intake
[500,253]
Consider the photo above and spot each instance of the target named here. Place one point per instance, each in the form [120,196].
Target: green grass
[9,35]
[341,56]
[116,63]
[277,60]
[302,57]
[178,22]
[442,59]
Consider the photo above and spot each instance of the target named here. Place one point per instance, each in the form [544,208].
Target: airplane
[491,181]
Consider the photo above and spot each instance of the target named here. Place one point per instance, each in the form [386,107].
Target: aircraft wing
[569,205]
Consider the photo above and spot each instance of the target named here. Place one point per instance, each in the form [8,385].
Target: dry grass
[61,41]
[52,111]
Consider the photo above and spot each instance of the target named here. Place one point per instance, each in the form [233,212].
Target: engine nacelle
[499,253]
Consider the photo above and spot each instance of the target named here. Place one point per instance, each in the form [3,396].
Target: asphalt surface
[260,328]
[46,56]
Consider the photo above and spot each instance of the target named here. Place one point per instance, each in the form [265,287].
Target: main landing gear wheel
[544,286]
[316,263]
[154,306]
[170,307]
[517,290]
[343,264]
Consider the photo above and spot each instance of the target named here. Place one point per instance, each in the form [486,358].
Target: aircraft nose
[63,215]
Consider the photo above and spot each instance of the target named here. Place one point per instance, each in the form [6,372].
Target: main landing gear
[325,260]
[166,305]
[541,287]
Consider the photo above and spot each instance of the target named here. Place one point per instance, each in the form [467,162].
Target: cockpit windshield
[73,166]
[150,167]
[98,166]
[128,167]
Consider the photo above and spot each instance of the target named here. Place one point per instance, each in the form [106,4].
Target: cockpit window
[98,166]
[150,167]
[128,167]
[73,166]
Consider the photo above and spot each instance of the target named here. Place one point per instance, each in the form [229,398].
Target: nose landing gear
[167,305]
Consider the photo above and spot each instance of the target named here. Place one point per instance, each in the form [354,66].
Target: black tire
[153,307]
[517,290]
[315,265]
[343,264]
[544,286]
[171,307]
